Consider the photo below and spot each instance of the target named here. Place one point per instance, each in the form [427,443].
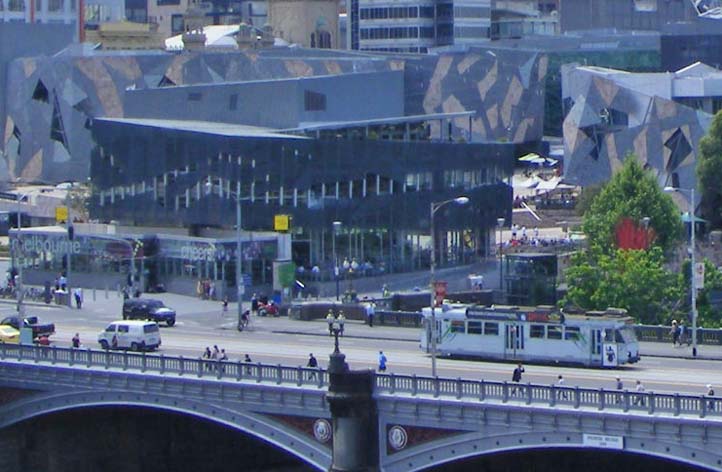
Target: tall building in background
[88,13]
[417,25]
[308,23]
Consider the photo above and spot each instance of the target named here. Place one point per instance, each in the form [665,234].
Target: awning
[532,158]
[697,219]
[550,184]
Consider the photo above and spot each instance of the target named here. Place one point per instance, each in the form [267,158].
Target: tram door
[597,340]
[514,339]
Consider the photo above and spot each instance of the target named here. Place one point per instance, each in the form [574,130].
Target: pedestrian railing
[663,334]
[166,365]
[551,395]
[394,384]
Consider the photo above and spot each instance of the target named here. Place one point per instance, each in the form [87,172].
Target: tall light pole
[240,287]
[19,285]
[434,208]
[500,224]
[336,226]
[692,281]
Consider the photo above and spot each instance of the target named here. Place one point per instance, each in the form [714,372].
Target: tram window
[491,329]
[554,332]
[536,331]
[618,336]
[474,327]
[571,333]
[457,327]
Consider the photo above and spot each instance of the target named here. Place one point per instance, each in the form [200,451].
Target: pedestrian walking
[78,294]
[516,376]
[330,319]
[254,304]
[562,388]
[247,360]
[76,341]
[207,357]
[312,364]
[619,387]
[371,312]
[341,322]
[639,397]
[225,304]
[674,331]
[683,333]
[382,361]
[710,393]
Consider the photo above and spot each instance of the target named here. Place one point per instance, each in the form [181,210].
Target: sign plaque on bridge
[604,441]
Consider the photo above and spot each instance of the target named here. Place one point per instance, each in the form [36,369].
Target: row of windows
[569,333]
[384,13]
[53,6]
[393,33]
[472,12]
[263,190]
[471,32]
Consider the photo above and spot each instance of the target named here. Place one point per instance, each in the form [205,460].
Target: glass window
[122,328]
[457,327]
[536,331]
[150,328]
[554,332]
[491,329]
[473,327]
[571,333]
[110,328]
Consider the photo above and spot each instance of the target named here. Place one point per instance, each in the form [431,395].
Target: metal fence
[663,334]
[161,364]
[413,385]
[551,395]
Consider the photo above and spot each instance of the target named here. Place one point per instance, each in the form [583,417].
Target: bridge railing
[461,389]
[550,395]
[162,364]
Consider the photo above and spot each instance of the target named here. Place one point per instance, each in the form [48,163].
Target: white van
[134,335]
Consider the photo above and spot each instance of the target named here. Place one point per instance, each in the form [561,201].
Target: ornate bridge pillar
[354,417]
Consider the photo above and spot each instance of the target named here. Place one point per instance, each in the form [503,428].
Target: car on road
[39,329]
[132,334]
[148,309]
[8,334]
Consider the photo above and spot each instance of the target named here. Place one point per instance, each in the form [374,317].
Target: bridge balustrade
[161,364]
[394,384]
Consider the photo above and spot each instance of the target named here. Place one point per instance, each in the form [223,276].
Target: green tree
[632,193]
[632,279]
[709,317]
[709,173]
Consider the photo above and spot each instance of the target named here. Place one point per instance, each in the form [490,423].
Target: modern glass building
[367,198]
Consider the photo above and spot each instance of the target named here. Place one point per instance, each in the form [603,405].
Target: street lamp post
[240,287]
[435,206]
[693,282]
[336,226]
[19,281]
[500,225]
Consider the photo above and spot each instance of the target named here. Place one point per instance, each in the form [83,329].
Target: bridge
[359,420]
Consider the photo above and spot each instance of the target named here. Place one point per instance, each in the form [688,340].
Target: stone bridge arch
[465,446]
[258,425]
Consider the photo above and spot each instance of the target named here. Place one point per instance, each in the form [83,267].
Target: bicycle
[244,321]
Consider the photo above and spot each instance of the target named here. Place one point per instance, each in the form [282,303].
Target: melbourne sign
[36,244]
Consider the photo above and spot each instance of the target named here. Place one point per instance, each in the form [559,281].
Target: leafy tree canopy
[709,173]
[632,193]
[632,279]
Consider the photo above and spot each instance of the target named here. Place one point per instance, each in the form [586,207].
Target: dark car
[148,309]
[39,329]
